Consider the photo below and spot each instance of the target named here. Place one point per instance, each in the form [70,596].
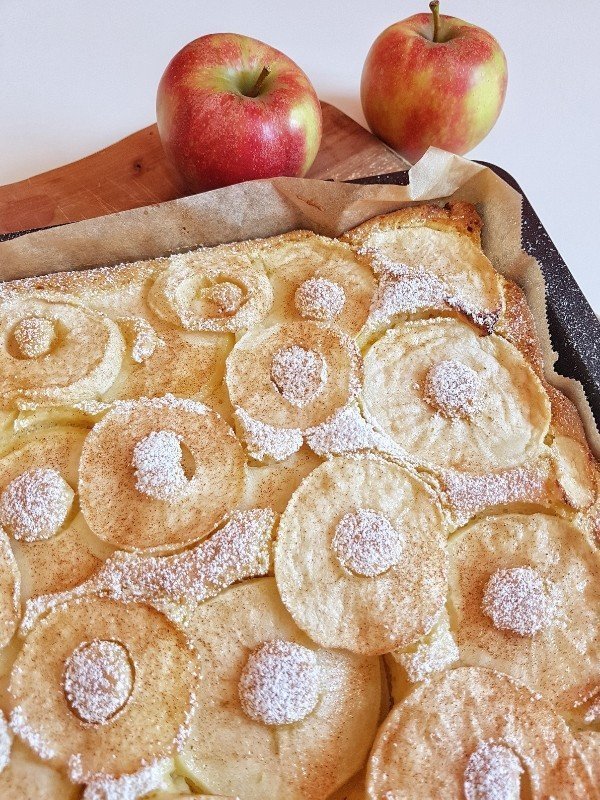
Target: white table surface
[77,75]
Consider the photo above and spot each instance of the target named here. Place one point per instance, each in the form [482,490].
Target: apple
[230,108]
[433,80]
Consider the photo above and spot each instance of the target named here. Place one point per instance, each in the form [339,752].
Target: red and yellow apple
[230,108]
[433,80]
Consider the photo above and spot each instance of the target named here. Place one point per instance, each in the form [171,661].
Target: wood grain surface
[134,172]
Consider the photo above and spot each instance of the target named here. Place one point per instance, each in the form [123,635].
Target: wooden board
[134,172]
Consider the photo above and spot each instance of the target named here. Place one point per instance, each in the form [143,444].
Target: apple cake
[294,519]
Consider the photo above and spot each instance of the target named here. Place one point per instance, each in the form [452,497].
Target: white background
[76,75]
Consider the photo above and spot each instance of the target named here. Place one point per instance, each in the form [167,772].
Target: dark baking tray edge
[574,328]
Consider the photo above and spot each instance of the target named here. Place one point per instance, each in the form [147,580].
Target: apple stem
[435,10]
[259,82]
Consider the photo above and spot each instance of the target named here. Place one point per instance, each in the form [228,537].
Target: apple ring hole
[279,684]
[164,465]
[188,463]
[36,505]
[35,337]
[221,296]
[493,772]
[98,680]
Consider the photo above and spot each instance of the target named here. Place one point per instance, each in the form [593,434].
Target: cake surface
[294,518]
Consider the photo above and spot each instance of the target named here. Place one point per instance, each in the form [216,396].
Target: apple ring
[167,361]
[55,351]
[212,289]
[53,546]
[525,591]
[429,259]
[364,539]
[316,278]
[293,376]
[454,399]
[25,777]
[484,730]
[185,364]
[133,488]
[88,692]
[258,672]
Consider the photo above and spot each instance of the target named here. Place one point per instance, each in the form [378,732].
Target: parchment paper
[268,207]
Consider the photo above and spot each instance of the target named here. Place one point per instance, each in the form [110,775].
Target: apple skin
[216,135]
[418,93]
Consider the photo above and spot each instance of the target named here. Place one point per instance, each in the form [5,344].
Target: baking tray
[574,328]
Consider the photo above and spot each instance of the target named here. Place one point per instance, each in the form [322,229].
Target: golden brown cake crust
[189,328]
[517,325]
[455,217]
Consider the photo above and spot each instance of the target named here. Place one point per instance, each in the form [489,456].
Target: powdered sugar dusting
[493,772]
[35,504]
[348,432]
[227,297]
[516,600]
[469,494]
[240,550]
[299,375]
[366,543]
[279,684]
[129,787]
[418,289]
[34,336]
[98,680]
[592,713]
[590,704]
[21,727]
[319,299]
[158,470]
[406,294]
[184,729]
[382,264]
[143,338]
[170,401]
[453,388]
[266,441]
[5,742]
[92,407]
